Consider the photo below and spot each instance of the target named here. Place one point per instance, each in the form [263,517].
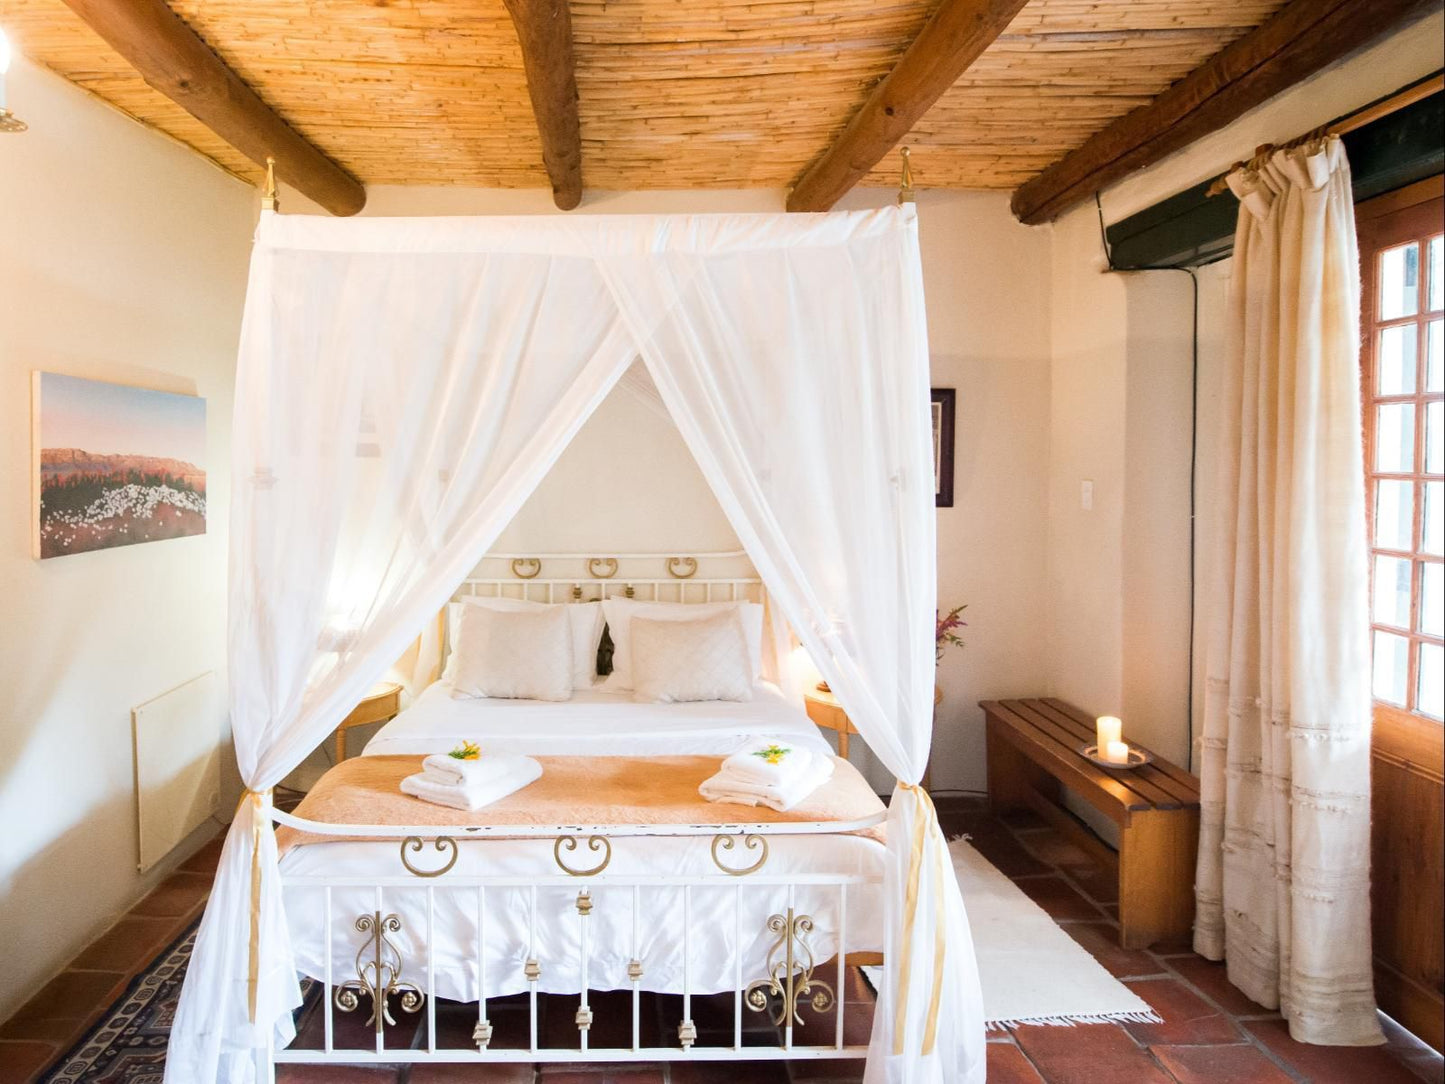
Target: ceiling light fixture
[8,121]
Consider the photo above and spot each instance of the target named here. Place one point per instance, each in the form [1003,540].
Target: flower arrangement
[946,630]
[468,750]
[773,753]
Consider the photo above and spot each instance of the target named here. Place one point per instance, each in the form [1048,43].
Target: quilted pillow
[513,655]
[706,659]
[586,619]
[622,612]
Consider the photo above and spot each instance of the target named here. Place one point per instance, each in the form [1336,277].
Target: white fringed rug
[1031,971]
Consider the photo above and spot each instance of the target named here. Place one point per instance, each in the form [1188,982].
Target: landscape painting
[115,465]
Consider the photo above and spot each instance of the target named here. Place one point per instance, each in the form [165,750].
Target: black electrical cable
[1193,452]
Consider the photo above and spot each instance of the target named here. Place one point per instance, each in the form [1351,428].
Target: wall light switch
[1086,495]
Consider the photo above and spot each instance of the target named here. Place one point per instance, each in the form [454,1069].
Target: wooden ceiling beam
[544,29]
[951,40]
[1302,38]
[172,58]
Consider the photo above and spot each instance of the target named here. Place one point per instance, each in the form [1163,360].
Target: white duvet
[595,722]
[601,723]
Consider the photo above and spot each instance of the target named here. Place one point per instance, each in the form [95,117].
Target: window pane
[1434,526]
[1396,366]
[1435,368]
[1394,516]
[1430,694]
[1434,437]
[1437,274]
[1392,667]
[1395,439]
[1432,598]
[1392,592]
[1400,281]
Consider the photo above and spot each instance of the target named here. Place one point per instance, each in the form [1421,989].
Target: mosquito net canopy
[404,385]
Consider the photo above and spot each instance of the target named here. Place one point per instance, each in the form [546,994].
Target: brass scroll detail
[602,568]
[594,843]
[791,977]
[443,844]
[532,566]
[379,976]
[674,564]
[750,843]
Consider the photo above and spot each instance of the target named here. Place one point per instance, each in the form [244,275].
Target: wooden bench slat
[1135,779]
[1103,792]
[1186,779]
[1034,756]
[1157,773]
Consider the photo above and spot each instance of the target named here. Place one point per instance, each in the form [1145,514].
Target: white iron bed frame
[378,975]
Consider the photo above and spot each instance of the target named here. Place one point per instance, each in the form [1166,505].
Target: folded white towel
[445,768]
[771,761]
[524,770]
[726,787]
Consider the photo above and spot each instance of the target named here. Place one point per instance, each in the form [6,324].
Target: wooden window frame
[1401,734]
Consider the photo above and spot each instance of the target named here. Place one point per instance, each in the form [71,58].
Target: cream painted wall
[1084,564]
[124,259]
[987,284]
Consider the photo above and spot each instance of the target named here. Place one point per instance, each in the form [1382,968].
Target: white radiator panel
[177,765]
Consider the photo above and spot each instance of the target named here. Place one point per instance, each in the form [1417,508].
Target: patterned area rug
[129,1045]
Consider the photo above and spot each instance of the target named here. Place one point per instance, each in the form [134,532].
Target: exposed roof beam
[951,40]
[544,28]
[1298,41]
[170,57]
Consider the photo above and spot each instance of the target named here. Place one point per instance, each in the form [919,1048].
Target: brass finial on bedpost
[905,186]
[269,202]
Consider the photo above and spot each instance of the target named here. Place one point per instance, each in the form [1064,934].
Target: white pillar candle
[1117,752]
[1109,730]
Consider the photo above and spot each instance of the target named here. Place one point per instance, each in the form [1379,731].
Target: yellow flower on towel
[773,754]
[468,750]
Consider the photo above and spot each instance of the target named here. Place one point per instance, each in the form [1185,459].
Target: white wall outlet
[1086,495]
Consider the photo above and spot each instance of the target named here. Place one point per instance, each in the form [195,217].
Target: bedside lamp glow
[8,121]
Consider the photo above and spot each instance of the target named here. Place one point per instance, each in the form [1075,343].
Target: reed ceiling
[673,93]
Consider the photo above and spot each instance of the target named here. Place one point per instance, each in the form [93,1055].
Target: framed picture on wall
[943,404]
[114,465]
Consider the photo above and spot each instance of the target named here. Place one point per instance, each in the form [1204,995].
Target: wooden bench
[1034,753]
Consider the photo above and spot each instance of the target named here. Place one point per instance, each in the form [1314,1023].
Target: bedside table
[826,712]
[377,706]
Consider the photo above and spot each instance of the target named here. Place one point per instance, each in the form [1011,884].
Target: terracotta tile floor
[1211,1034]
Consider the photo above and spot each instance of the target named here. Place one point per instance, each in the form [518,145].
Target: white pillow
[620,612]
[513,654]
[705,659]
[585,618]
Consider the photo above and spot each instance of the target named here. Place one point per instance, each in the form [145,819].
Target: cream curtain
[404,384]
[1283,879]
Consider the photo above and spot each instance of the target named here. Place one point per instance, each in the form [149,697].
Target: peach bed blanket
[572,791]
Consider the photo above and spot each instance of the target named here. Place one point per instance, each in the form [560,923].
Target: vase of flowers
[946,630]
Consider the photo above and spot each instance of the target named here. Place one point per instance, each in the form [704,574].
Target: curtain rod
[1393,103]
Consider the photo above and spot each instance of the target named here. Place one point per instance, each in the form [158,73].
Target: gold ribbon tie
[925,818]
[260,802]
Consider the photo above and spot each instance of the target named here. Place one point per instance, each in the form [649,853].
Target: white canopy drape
[404,385]
[1283,884]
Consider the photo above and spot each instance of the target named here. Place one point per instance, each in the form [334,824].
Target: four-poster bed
[490,341]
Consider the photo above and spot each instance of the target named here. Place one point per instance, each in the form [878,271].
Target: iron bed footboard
[378,980]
